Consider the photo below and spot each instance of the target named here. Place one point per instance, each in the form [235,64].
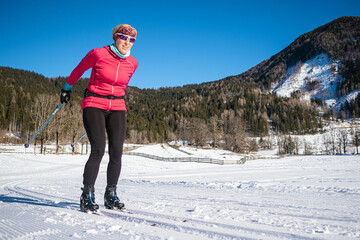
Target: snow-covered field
[302,197]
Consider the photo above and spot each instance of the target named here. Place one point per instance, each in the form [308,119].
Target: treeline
[350,109]
[172,111]
[19,92]
[334,141]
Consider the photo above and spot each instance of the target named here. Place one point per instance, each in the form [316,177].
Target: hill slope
[323,63]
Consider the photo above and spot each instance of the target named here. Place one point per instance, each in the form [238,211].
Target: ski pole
[73,144]
[27,144]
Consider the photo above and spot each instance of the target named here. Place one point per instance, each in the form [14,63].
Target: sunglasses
[125,38]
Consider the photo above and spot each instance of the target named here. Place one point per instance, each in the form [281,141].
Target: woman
[104,110]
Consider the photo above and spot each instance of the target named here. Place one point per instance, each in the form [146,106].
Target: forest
[217,113]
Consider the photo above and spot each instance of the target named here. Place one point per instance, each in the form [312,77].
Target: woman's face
[123,46]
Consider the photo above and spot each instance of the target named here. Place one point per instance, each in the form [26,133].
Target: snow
[177,153]
[165,152]
[315,78]
[160,149]
[299,197]
[349,97]
[316,69]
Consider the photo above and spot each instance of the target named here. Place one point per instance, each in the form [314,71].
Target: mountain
[321,64]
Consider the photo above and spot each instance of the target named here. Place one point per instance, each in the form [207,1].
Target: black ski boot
[87,199]
[111,201]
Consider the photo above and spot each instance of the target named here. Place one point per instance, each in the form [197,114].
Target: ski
[101,212]
[124,210]
[97,212]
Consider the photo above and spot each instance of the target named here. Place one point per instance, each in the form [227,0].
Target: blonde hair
[119,27]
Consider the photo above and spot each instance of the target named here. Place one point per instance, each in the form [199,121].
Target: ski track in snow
[311,197]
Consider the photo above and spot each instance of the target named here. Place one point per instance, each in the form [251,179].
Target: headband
[127,31]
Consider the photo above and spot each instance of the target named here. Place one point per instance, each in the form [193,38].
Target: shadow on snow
[48,203]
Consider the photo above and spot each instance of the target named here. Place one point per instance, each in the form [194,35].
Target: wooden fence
[187,159]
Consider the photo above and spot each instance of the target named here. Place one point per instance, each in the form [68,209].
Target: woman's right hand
[65,96]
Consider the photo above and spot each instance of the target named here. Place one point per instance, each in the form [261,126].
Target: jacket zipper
[112,87]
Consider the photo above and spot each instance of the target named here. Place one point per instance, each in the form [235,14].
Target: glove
[65,96]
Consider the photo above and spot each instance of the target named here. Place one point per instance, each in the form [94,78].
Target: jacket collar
[113,54]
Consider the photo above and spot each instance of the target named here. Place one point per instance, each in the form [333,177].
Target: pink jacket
[110,75]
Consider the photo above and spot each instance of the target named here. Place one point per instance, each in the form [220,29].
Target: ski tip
[124,210]
[95,212]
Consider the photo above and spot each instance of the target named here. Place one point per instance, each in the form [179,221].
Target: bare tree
[280,144]
[355,133]
[235,135]
[308,149]
[75,124]
[84,141]
[196,131]
[133,136]
[43,107]
[265,143]
[288,145]
[215,128]
[356,140]
[326,143]
[333,140]
[61,127]
[344,139]
[297,145]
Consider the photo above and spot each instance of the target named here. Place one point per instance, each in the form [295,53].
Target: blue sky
[179,42]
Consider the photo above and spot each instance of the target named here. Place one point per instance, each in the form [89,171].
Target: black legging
[95,122]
